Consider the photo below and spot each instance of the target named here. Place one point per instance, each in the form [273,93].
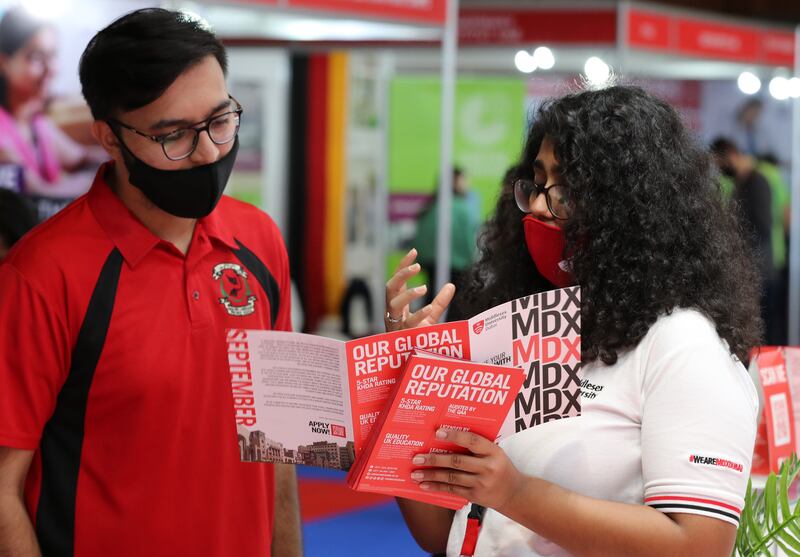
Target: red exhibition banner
[778,47]
[649,30]
[691,36]
[514,26]
[717,40]
[419,11]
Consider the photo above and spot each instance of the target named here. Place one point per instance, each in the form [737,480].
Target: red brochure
[433,392]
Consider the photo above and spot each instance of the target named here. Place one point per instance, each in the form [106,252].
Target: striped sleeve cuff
[695,505]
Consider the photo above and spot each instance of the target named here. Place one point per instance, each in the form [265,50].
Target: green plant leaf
[786,481]
[768,518]
[771,503]
[789,552]
[753,534]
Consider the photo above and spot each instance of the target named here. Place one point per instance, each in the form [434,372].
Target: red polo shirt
[112,368]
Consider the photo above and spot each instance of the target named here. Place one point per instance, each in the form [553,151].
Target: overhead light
[47,9]
[779,88]
[524,61]
[749,84]
[543,57]
[794,87]
[597,71]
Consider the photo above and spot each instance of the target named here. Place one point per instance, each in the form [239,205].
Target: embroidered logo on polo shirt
[234,291]
[717,462]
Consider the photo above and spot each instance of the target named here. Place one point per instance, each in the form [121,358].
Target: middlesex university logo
[718,462]
[338,431]
[234,291]
[478,327]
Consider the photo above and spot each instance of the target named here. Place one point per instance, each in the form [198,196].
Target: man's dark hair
[130,63]
[16,28]
[722,147]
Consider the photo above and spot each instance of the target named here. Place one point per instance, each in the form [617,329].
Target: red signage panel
[778,47]
[776,381]
[495,26]
[718,40]
[422,11]
[649,30]
[668,32]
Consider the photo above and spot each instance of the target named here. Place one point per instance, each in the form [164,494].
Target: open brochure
[429,395]
[311,400]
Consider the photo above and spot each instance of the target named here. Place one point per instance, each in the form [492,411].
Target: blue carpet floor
[374,530]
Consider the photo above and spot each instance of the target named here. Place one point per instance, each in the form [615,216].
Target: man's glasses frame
[196,129]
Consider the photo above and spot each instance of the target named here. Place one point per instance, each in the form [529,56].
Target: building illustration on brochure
[312,400]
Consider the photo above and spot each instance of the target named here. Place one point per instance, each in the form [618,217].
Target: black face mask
[189,193]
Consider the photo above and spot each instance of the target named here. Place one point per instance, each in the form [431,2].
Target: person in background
[462,308]
[16,219]
[464,231]
[752,197]
[118,430]
[777,293]
[748,131]
[613,195]
[39,159]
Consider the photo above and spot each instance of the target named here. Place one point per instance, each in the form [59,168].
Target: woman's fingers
[398,306]
[397,283]
[405,269]
[418,317]
[441,301]
[399,297]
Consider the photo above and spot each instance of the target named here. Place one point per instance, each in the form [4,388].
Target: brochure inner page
[291,398]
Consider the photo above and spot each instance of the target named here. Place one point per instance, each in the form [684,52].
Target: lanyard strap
[474,521]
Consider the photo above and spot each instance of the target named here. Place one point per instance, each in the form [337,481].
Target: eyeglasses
[556,197]
[181,143]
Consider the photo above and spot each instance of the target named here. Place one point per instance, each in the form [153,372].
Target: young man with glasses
[117,431]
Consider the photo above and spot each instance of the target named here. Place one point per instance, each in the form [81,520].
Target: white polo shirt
[671,425]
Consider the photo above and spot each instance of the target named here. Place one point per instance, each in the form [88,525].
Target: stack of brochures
[304,399]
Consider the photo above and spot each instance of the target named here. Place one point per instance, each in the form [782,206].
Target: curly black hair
[650,229]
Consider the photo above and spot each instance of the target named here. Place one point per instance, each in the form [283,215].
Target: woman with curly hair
[614,195]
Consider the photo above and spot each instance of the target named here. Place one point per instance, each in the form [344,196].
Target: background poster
[489,126]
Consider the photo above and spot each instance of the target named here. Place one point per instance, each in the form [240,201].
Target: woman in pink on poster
[612,194]
[36,155]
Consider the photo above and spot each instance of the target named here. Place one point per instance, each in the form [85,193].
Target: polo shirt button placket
[196,313]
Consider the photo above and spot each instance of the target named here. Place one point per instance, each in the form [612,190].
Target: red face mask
[546,245]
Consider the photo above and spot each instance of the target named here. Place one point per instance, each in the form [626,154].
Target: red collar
[131,237]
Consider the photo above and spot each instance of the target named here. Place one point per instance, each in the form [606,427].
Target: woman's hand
[398,298]
[485,475]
